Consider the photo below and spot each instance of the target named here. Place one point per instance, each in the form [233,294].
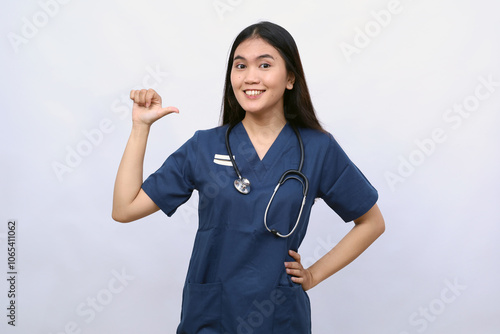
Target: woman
[245,275]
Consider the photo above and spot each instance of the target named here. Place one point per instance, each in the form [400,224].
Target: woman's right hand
[147,107]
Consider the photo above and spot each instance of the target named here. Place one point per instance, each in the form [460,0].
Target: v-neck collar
[247,150]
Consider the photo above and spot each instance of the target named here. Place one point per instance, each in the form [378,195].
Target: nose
[252,76]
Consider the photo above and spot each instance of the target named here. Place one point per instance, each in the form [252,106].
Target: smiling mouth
[254,92]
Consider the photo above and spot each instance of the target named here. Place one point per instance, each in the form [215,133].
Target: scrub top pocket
[293,315]
[201,309]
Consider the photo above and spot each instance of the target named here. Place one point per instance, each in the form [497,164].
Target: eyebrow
[259,57]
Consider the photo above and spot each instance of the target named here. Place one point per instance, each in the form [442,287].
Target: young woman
[245,275]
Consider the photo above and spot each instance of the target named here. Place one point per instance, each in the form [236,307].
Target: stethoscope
[243,184]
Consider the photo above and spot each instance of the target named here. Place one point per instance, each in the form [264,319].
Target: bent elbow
[119,217]
[380,226]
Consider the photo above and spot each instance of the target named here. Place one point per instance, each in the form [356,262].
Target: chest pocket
[217,177]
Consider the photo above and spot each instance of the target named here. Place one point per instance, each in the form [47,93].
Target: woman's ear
[290,81]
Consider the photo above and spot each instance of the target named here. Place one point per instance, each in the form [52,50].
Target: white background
[67,69]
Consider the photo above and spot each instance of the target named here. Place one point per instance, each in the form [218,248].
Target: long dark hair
[299,110]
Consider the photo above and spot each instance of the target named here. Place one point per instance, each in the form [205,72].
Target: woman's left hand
[299,274]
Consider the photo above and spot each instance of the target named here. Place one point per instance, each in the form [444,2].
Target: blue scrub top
[236,280]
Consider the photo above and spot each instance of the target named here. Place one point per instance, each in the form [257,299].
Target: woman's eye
[240,66]
[265,65]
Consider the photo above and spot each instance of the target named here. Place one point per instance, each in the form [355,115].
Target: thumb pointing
[168,110]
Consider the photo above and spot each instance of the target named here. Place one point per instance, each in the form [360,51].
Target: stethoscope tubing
[230,153]
[243,185]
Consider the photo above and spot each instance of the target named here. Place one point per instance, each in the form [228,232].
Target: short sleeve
[344,188]
[173,183]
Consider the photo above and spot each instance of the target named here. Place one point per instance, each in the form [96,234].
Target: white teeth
[254,92]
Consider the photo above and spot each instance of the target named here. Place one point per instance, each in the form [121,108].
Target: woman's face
[259,77]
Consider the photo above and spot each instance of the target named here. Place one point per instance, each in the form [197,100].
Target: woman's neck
[263,131]
[264,126]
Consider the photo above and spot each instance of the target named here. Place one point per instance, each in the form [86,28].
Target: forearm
[361,236]
[129,177]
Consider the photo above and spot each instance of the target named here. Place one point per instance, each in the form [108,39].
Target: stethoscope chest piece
[242,185]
